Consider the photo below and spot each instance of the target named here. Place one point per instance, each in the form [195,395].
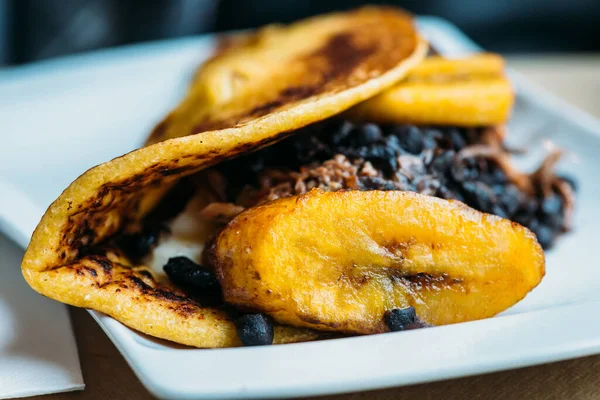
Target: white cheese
[187,237]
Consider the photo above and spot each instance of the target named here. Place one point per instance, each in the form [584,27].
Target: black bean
[524,219]
[442,163]
[340,133]
[393,143]
[430,138]
[410,138]
[479,196]
[532,224]
[554,221]
[509,197]
[254,330]
[188,275]
[464,169]
[399,319]
[552,204]
[381,157]
[499,211]
[432,132]
[530,205]
[307,149]
[138,245]
[544,234]
[367,134]
[552,212]
[458,142]
[498,175]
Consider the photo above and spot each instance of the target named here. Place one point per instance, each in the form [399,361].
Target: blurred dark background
[37,29]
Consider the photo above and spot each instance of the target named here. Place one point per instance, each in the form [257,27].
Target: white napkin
[38,354]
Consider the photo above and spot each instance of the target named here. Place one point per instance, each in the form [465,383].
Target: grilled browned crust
[253,77]
[348,58]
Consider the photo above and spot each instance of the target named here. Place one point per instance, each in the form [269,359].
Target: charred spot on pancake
[209,125]
[299,92]
[264,109]
[146,274]
[103,263]
[342,54]
[168,295]
[343,57]
[139,283]
[120,200]
[339,57]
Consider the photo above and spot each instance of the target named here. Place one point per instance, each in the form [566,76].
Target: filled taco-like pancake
[306,72]
[159,237]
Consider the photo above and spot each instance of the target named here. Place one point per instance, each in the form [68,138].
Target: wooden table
[577,79]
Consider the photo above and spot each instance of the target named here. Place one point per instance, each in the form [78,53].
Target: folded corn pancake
[105,243]
[277,67]
[274,83]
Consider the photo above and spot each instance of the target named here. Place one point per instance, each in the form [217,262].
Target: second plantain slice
[467,92]
[338,261]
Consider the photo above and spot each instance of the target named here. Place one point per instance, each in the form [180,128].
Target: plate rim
[122,336]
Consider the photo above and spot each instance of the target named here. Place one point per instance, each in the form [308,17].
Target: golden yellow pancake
[244,98]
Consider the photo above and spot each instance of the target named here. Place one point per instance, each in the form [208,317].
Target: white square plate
[61,117]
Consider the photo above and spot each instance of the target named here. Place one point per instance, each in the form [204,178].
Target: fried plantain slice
[343,59]
[339,260]
[469,92]
[462,102]
[437,68]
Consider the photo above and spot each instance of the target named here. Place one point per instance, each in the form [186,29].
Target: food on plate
[439,68]
[472,91]
[350,57]
[340,260]
[74,255]
[466,164]
[271,123]
[470,102]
